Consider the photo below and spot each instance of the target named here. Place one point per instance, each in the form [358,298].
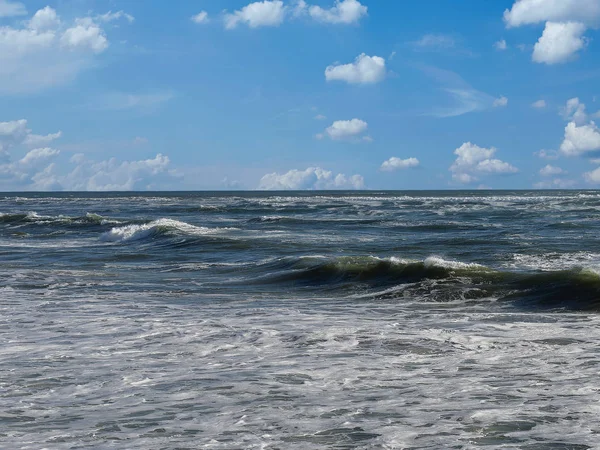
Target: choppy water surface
[281,321]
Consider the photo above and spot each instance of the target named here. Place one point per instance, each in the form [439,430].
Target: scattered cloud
[345,129]
[268,13]
[574,111]
[527,12]
[37,168]
[320,117]
[465,98]
[547,154]
[112,16]
[580,140]
[395,163]
[549,171]
[44,51]
[500,45]
[557,183]
[559,42]
[343,12]
[435,42]
[364,70]
[473,162]
[10,8]
[313,178]
[500,102]
[540,104]
[592,177]
[566,22]
[200,18]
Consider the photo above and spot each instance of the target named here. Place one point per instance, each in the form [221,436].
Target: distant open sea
[335,320]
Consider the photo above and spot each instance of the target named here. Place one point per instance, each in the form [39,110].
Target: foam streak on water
[392,320]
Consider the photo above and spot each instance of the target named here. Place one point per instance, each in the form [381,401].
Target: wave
[35,218]
[432,279]
[157,227]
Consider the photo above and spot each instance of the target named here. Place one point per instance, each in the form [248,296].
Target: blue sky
[320,94]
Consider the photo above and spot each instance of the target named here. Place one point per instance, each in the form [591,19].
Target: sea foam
[144,231]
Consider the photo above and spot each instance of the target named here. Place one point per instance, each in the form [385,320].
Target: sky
[106,95]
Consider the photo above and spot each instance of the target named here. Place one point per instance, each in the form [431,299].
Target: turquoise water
[300,320]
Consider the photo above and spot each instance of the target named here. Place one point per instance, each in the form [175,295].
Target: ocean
[335,320]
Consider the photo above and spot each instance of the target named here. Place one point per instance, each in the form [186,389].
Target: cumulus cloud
[547,154]
[592,177]
[268,13]
[313,178]
[526,12]
[473,161]
[580,140]
[112,16]
[539,104]
[11,9]
[566,22]
[342,12]
[345,129]
[500,45]
[201,17]
[364,70]
[557,183]
[559,42]
[500,102]
[574,111]
[395,163]
[549,171]
[45,51]
[38,169]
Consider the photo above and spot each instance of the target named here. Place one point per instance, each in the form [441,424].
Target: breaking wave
[157,227]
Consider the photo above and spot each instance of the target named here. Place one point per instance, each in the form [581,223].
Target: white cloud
[201,17]
[44,19]
[10,9]
[346,129]
[343,12]
[574,111]
[85,35]
[395,163]
[580,140]
[112,16]
[364,70]
[549,171]
[435,42]
[500,45]
[559,42]
[547,154]
[38,155]
[37,169]
[268,13]
[320,117]
[539,104]
[557,183]
[500,102]
[35,140]
[44,51]
[525,12]
[592,177]
[313,178]
[473,161]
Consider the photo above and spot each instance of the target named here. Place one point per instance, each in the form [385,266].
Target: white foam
[137,232]
[436,261]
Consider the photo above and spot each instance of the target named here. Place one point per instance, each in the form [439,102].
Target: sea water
[343,320]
